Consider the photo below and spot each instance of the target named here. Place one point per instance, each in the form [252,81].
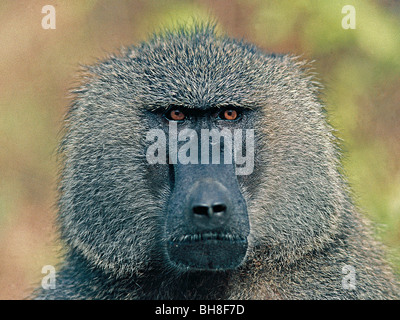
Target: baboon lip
[207,251]
[209,236]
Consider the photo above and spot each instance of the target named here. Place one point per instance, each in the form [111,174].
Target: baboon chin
[196,166]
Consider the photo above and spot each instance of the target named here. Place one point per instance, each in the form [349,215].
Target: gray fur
[303,225]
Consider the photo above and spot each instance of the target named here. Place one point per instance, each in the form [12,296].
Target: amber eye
[229,114]
[175,115]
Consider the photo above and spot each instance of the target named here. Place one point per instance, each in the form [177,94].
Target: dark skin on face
[207,215]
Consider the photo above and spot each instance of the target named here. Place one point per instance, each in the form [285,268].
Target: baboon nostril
[219,208]
[208,211]
[201,210]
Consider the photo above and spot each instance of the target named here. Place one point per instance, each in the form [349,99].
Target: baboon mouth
[207,251]
[188,238]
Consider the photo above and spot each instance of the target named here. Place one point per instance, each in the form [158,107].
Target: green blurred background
[359,68]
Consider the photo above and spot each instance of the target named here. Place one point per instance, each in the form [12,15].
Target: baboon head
[196,152]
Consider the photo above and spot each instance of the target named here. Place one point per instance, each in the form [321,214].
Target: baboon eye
[229,114]
[175,115]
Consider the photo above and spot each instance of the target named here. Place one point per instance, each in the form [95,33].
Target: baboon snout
[207,223]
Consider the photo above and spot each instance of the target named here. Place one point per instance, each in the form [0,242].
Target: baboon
[198,230]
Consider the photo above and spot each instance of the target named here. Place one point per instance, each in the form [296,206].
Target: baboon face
[206,223]
[139,189]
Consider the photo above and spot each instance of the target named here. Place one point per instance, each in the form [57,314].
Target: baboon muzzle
[207,223]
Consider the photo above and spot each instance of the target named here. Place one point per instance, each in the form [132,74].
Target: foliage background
[359,68]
